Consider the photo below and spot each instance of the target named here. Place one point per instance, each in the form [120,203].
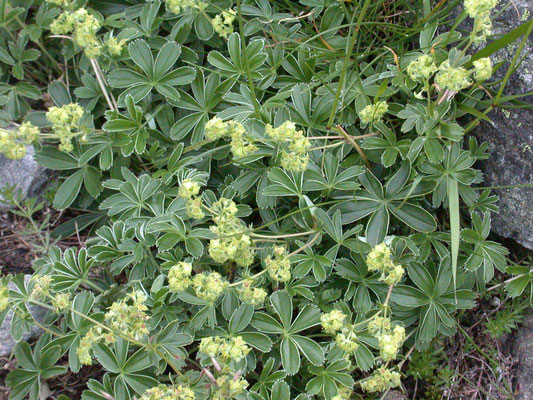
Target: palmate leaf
[485,253]
[72,271]
[156,74]
[35,366]
[236,64]
[329,379]
[126,370]
[434,299]
[292,345]
[378,203]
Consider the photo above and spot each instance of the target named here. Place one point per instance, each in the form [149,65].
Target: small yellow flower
[332,321]
[4,297]
[475,8]
[279,266]
[208,286]
[114,46]
[61,301]
[452,78]
[347,339]
[223,23]
[194,208]
[188,189]
[373,112]
[482,69]
[251,295]
[179,276]
[422,68]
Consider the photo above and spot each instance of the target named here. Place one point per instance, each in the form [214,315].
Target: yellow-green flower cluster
[223,23]
[179,276]
[347,339]
[41,288]
[13,142]
[83,27]
[194,208]
[345,334]
[65,123]
[128,315]
[373,112]
[279,266]
[294,156]
[475,8]
[208,286]
[452,78]
[480,11]
[379,259]
[164,392]
[175,6]
[224,350]
[61,301]
[332,321]
[4,297]
[482,69]
[94,336]
[421,69]
[115,46]
[344,393]
[382,379]
[229,387]
[250,295]
[231,244]
[390,340]
[241,144]
[189,191]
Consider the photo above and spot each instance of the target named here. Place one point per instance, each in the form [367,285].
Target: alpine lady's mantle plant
[274,213]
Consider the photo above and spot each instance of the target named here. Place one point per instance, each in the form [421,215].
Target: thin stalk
[102,84]
[257,108]
[348,53]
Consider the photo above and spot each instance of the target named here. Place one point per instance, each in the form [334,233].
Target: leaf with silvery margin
[328,379]
[268,377]
[235,65]
[284,183]
[157,74]
[435,297]
[126,369]
[521,282]
[485,253]
[38,365]
[378,202]
[292,345]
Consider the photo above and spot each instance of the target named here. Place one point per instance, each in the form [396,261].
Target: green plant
[276,210]
[36,231]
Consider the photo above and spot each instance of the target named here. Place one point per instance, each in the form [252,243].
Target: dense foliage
[279,212]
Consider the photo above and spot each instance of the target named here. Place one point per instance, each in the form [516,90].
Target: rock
[7,344]
[395,395]
[523,351]
[25,174]
[510,139]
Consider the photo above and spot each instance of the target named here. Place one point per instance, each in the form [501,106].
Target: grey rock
[7,344]
[523,350]
[510,139]
[25,174]
[395,395]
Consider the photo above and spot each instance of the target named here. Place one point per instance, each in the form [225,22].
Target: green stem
[348,53]
[257,107]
